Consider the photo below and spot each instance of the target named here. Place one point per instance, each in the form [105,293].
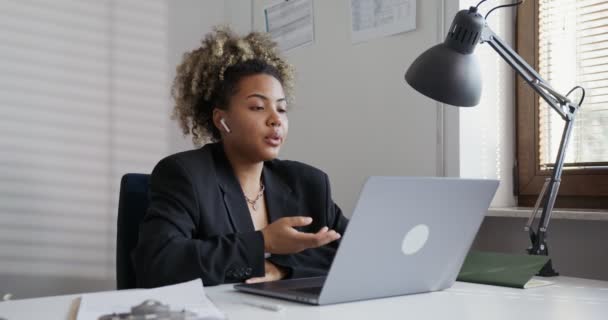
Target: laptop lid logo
[415,239]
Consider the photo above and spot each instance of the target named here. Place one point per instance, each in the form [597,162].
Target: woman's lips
[274,140]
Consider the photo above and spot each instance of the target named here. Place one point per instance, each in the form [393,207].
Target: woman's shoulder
[189,159]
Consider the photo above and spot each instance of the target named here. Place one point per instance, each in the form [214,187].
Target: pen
[265,306]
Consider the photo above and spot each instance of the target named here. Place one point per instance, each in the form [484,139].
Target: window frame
[580,188]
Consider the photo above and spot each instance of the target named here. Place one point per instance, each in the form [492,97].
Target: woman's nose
[274,120]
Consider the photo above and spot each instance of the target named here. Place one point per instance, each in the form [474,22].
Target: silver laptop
[407,235]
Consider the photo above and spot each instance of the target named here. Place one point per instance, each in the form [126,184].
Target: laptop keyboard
[309,290]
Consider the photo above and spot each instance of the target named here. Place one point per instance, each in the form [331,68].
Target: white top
[568,298]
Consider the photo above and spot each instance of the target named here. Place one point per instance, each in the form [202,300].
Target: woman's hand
[272,273]
[281,238]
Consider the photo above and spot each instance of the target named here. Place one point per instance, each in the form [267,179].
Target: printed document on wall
[290,23]
[380,18]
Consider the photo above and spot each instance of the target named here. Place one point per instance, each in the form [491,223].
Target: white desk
[569,298]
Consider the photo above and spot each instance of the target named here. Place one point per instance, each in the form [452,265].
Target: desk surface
[569,298]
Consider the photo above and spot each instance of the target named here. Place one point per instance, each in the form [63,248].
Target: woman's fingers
[281,237]
[323,230]
[272,273]
[321,238]
[256,280]
[297,221]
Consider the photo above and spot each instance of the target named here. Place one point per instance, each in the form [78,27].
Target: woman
[231,211]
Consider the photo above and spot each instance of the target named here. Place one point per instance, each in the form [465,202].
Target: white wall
[189,21]
[354,115]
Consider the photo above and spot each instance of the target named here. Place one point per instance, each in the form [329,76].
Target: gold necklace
[253,202]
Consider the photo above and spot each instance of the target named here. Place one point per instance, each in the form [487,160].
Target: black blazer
[198,223]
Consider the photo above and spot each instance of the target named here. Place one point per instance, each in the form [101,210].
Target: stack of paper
[188,296]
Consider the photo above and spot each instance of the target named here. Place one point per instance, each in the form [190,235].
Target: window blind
[573,50]
[83,100]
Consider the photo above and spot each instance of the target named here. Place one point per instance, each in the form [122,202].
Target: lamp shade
[445,75]
[449,72]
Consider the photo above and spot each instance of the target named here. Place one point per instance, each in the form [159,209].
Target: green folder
[502,269]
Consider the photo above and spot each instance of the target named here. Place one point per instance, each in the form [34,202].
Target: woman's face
[256,117]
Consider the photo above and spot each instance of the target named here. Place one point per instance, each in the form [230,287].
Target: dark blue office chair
[132,206]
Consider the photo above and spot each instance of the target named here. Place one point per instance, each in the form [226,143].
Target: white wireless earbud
[223,122]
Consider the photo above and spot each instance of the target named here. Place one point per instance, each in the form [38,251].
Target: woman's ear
[219,120]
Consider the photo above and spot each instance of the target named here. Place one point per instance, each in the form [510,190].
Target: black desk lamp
[450,73]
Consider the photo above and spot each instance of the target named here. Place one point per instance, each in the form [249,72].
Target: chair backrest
[132,206]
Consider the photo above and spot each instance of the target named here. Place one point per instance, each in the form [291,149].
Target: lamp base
[540,248]
[547,270]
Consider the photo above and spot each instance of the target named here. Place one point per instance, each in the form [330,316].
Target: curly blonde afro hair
[209,76]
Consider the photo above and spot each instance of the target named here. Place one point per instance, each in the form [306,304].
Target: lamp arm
[566,109]
[561,104]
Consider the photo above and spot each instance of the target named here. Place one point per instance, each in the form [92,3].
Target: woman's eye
[282,110]
[256,108]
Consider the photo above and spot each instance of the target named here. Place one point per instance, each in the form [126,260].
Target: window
[83,100]
[567,42]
